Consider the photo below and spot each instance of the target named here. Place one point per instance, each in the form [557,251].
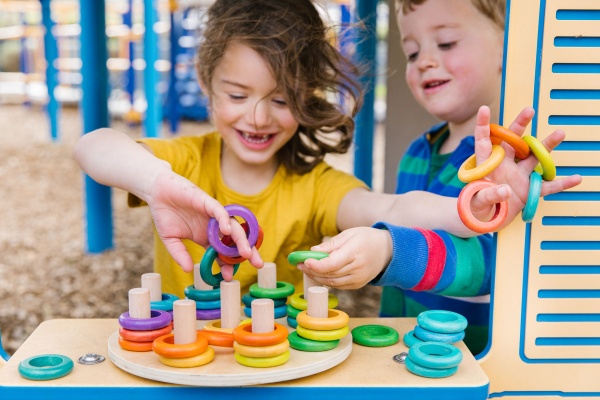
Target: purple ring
[214,313]
[158,319]
[213,230]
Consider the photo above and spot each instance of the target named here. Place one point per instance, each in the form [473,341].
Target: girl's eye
[280,102]
[236,97]
[447,46]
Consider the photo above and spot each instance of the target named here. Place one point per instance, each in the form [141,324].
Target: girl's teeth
[255,138]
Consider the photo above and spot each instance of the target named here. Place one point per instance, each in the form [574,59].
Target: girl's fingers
[227,272]
[178,251]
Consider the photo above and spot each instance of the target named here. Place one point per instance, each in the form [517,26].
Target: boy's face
[454,58]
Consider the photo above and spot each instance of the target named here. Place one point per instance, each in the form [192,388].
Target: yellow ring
[322,336]
[298,301]
[264,362]
[189,362]
[261,351]
[470,172]
[336,319]
[216,326]
[541,153]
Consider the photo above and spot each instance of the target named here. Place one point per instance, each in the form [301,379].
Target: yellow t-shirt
[294,211]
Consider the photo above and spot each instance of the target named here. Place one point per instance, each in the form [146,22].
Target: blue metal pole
[94,104]
[151,77]
[51,53]
[366,11]
[24,59]
[172,99]
[127,20]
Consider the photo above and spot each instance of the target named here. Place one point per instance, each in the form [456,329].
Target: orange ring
[237,260]
[217,338]
[261,351]
[144,336]
[336,319]
[134,346]
[467,217]
[243,335]
[165,346]
[512,139]
[470,172]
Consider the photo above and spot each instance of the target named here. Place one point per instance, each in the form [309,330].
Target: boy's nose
[426,60]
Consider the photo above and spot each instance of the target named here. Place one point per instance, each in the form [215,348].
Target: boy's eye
[412,56]
[447,46]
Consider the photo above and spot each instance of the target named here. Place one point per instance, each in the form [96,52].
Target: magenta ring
[158,319]
[208,314]
[213,230]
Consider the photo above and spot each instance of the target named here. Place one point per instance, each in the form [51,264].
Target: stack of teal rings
[437,326]
[165,303]
[433,360]
[208,302]
[279,295]
[45,367]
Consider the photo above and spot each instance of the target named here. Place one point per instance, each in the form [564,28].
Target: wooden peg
[152,282]
[139,303]
[199,284]
[317,298]
[308,282]
[184,321]
[267,276]
[263,315]
[231,302]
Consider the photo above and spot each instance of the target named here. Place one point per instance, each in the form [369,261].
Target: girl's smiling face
[249,110]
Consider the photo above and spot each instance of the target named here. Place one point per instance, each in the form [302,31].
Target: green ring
[45,367]
[166,304]
[417,369]
[442,321]
[298,301]
[435,355]
[296,257]
[284,289]
[375,335]
[322,336]
[208,305]
[410,339]
[206,268]
[299,343]
[202,295]
[293,311]
[247,299]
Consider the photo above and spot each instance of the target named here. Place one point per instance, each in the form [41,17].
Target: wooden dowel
[316,298]
[231,302]
[263,315]
[139,303]
[152,282]
[267,276]
[199,284]
[184,321]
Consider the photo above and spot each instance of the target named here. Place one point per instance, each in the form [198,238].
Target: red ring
[144,336]
[237,260]
[467,217]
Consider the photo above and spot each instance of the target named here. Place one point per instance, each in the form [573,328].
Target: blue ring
[166,304]
[206,268]
[45,367]
[278,312]
[247,299]
[533,197]
[410,339]
[429,336]
[208,305]
[442,321]
[435,355]
[417,369]
[202,295]
[292,323]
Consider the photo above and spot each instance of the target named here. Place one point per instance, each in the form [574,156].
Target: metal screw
[90,359]
[399,358]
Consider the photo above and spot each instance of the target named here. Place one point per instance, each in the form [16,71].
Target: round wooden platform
[224,370]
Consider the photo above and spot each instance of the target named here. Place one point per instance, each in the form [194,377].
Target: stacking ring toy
[243,334]
[467,217]
[144,336]
[247,299]
[470,172]
[208,314]
[165,304]
[442,321]
[515,141]
[533,197]
[292,323]
[208,305]
[410,339]
[278,312]
[322,335]
[261,351]
[216,326]
[299,343]
[543,156]
[284,289]
[299,302]
[189,362]
[45,367]
[213,230]
[206,268]
[425,372]
[375,335]
[262,362]
[429,336]
[158,319]
[237,260]
[165,346]
[435,355]
[134,346]
[335,320]
[292,311]
[217,338]
[297,257]
[202,295]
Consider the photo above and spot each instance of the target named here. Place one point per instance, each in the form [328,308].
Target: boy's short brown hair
[495,10]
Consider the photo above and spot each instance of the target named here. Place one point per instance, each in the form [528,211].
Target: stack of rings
[437,326]
[186,355]
[208,302]
[433,360]
[297,301]
[165,303]
[137,334]
[473,175]
[279,296]
[319,334]
[261,350]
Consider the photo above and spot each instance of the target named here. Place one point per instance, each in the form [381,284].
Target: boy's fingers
[483,146]
[558,185]
[523,119]
[490,196]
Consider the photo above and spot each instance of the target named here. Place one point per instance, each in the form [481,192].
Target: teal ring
[45,367]
[202,295]
[297,257]
[375,335]
[533,197]
[206,268]
[278,312]
[283,290]
[292,311]
[292,322]
[410,339]
[442,321]
[425,372]
[166,304]
[247,299]
[299,343]
[429,336]
[435,355]
[208,305]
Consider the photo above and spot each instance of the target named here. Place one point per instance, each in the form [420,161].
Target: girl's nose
[260,114]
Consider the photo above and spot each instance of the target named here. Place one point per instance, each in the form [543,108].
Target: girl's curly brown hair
[318,82]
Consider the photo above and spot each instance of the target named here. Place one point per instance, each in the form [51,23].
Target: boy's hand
[356,257]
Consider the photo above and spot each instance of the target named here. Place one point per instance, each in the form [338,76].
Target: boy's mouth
[433,84]
[256,139]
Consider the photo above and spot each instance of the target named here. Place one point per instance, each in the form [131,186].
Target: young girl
[274,80]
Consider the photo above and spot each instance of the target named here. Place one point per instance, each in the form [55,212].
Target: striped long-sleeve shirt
[434,269]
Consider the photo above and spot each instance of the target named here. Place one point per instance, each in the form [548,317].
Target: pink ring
[213,230]
[467,217]
[158,319]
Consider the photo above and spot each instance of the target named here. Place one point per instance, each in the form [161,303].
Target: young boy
[454,52]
